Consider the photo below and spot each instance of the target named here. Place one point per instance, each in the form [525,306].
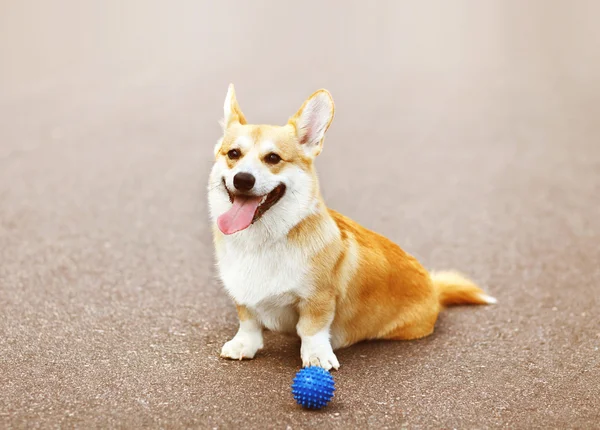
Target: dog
[293,265]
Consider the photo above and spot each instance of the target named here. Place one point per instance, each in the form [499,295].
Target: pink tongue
[240,215]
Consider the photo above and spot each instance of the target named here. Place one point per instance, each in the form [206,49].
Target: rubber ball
[313,387]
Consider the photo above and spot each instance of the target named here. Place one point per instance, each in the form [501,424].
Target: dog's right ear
[231,109]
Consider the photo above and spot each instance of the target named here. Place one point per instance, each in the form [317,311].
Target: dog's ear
[312,121]
[231,109]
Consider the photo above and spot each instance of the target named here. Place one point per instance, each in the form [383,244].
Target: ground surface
[468,133]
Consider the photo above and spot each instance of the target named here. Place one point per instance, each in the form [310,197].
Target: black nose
[243,181]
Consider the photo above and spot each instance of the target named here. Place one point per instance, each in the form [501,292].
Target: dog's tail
[455,289]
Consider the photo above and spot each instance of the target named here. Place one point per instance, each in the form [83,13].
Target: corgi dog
[292,265]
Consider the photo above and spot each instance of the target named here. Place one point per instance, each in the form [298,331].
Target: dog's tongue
[240,215]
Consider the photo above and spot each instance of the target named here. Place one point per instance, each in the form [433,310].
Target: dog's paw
[319,355]
[240,348]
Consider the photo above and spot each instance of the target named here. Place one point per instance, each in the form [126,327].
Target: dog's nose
[243,181]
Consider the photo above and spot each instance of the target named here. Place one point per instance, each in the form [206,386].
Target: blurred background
[466,131]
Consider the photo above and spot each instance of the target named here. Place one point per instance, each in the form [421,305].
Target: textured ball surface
[313,387]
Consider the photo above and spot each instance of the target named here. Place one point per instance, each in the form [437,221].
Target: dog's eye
[234,154]
[272,158]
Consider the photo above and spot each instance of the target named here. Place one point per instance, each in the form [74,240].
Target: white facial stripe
[252,163]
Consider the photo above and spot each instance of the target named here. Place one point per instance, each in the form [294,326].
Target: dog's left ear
[312,121]
[232,113]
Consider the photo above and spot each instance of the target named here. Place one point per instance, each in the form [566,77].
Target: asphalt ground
[467,132]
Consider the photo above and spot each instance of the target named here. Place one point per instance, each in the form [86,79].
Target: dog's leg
[316,316]
[248,340]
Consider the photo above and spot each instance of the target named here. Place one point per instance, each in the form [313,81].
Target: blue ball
[313,387]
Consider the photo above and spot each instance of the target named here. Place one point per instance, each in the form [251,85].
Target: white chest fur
[267,278]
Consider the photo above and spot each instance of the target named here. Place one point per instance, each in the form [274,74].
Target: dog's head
[263,175]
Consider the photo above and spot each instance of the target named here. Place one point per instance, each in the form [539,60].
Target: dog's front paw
[319,355]
[240,347]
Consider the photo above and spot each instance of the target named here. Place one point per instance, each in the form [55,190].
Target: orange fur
[243,313]
[454,289]
[385,293]
[360,284]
